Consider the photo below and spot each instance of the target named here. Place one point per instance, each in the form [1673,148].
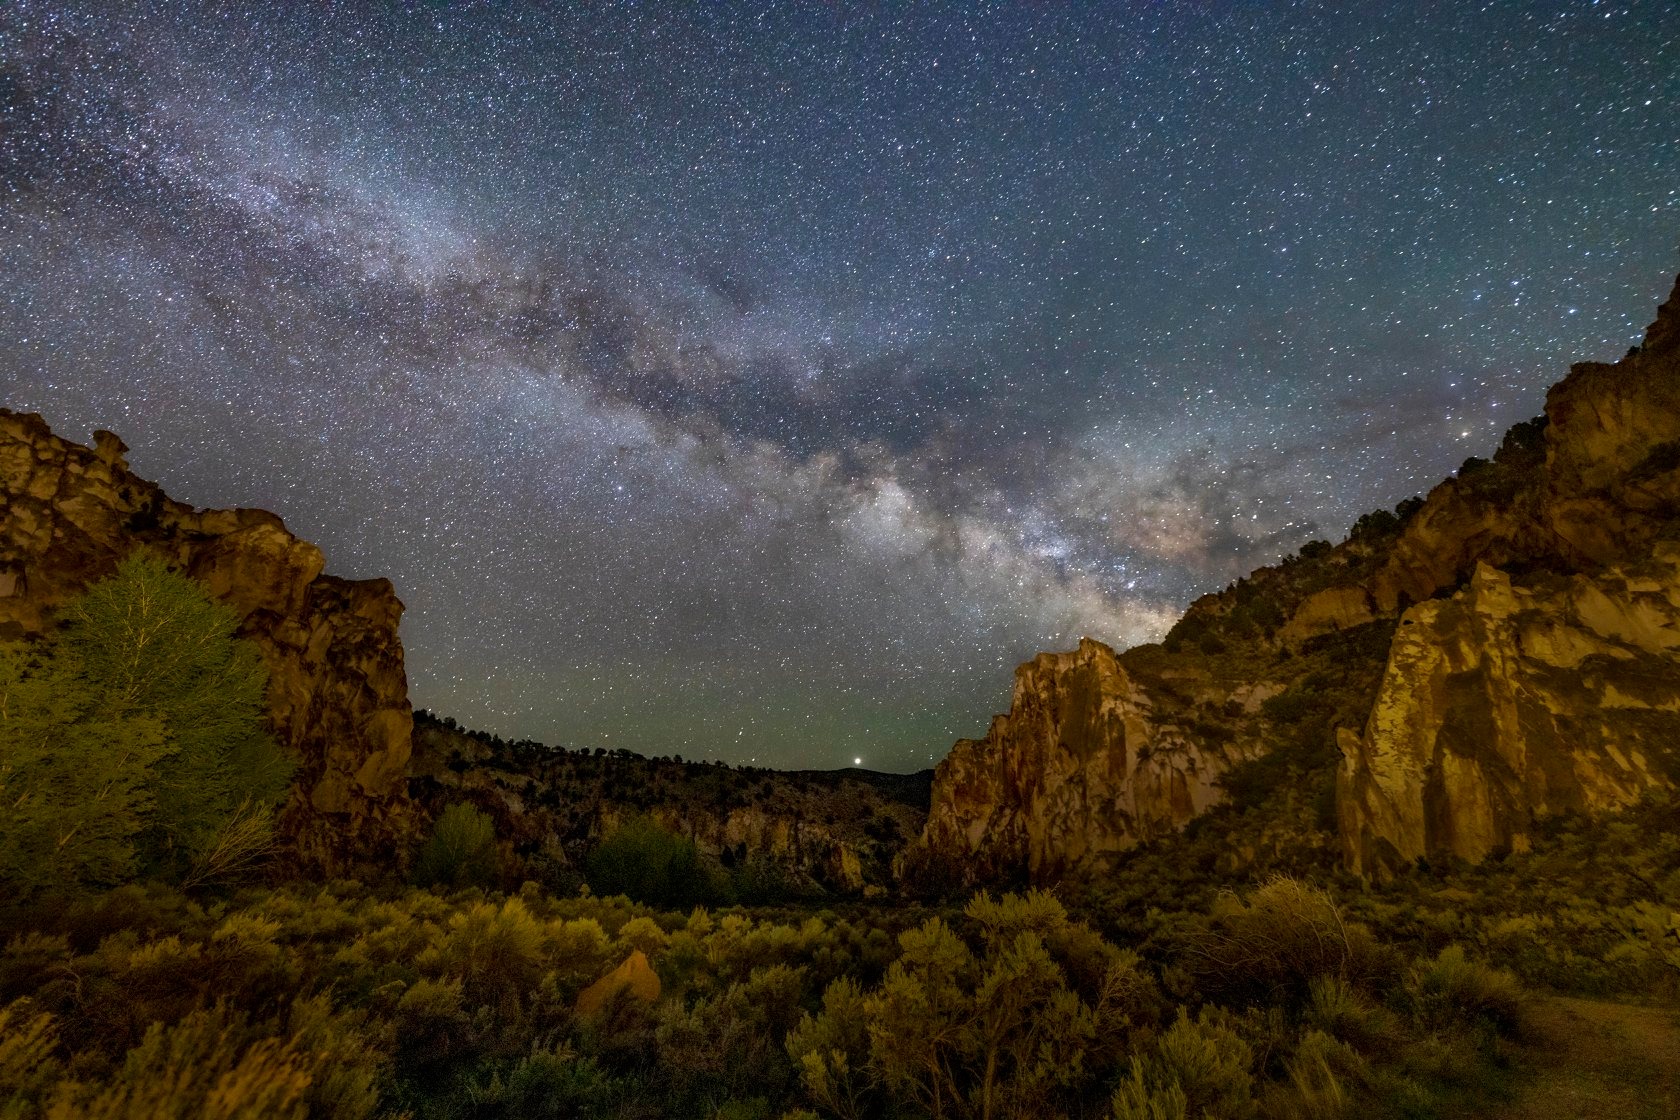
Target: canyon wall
[1552,685]
[1504,704]
[1532,669]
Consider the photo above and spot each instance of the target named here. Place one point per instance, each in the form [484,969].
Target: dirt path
[1593,1060]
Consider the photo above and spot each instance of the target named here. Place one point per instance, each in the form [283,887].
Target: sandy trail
[1593,1059]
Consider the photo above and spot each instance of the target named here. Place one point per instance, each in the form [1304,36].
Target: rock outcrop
[338,697]
[1087,763]
[1506,703]
[1524,696]
[1547,683]
[635,976]
[1325,612]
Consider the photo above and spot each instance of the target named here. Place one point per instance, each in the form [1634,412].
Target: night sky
[763,383]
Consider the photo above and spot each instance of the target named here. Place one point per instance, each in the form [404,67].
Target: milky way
[763,383]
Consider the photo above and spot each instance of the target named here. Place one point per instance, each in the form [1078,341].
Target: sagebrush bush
[1272,944]
[1343,1012]
[1321,1077]
[29,1065]
[210,1065]
[1454,991]
[359,1003]
[461,851]
[1198,1068]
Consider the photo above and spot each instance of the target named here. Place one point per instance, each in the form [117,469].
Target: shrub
[554,1085]
[497,951]
[1373,525]
[1198,1070]
[204,1067]
[28,1066]
[650,864]
[238,847]
[1340,1010]
[460,852]
[1012,1026]
[1272,945]
[1454,991]
[1317,1088]
[832,1051]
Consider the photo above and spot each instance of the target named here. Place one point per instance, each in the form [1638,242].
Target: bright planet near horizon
[767,381]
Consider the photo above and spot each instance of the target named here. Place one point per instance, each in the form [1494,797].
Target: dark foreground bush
[461,851]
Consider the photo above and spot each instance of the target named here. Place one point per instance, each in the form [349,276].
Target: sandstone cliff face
[338,695]
[1521,698]
[1605,490]
[1547,685]
[1086,764]
[1504,703]
[1325,612]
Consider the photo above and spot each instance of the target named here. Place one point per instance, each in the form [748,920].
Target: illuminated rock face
[1504,704]
[1553,688]
[1086,764]
[338,695]
[1606,489]
[1533,669]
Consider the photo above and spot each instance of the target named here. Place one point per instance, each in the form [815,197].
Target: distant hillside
[776,833]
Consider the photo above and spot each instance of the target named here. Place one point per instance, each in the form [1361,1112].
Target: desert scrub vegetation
[1593,908]
[361,1001]
[1231,971]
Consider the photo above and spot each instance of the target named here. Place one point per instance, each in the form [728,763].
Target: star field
[764,382]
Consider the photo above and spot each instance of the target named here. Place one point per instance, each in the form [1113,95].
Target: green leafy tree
[75,785]
[134,738]
[651,864]
[152,644]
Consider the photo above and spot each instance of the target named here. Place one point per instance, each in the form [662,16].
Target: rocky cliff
[338,697]
[1551,685]
[1505,703]
[1531,670]
[1089,760]
[777,833]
